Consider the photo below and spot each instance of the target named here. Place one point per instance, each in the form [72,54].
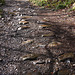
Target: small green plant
[60,6]
[2,2]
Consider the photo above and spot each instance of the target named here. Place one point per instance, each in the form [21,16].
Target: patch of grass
[39,2]
[56,4]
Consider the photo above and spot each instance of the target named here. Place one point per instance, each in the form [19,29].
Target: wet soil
[11,39]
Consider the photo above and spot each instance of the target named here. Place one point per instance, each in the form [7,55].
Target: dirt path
[32,38]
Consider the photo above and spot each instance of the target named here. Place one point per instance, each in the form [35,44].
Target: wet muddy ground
[36,41]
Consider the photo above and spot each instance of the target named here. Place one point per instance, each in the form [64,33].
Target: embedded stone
[38,62]
[54,44]
[26,17]
[29,57]
[27,42]
[48,34]
[23,27]
[65,56]
[44,26]
[23,22]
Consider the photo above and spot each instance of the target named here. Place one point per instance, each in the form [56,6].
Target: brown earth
[13,43]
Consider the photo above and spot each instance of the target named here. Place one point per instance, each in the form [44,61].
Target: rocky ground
[36,41]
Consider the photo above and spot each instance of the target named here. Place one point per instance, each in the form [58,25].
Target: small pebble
[19,9]
[68,61]
[19,19]
[19,28]
[48,60]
